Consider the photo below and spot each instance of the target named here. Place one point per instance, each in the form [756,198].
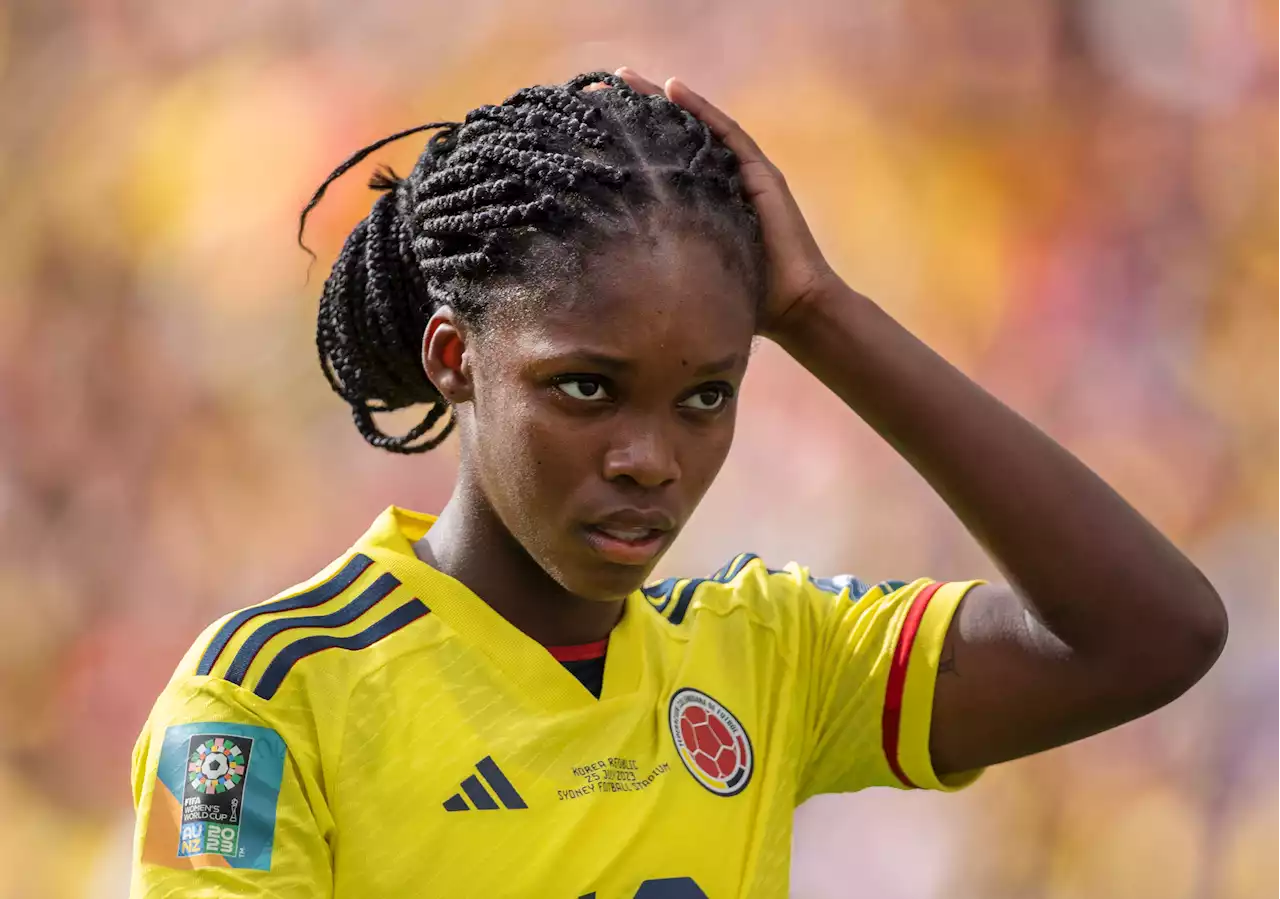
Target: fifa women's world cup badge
[213,794]
[217,784]
[711,742]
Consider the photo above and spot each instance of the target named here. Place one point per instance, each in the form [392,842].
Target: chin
[586,571]
[603,582]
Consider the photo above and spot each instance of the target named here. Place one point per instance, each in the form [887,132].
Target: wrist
[814,307]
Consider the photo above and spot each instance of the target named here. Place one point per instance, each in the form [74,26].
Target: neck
[470,543]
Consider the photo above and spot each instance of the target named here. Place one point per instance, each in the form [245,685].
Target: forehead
[674,294]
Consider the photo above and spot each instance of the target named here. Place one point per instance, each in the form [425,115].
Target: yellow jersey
[379,730]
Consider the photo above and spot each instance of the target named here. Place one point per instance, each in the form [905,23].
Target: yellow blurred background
[1073,200]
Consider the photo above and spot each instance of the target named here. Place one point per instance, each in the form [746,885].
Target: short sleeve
[869,662]
[225,805]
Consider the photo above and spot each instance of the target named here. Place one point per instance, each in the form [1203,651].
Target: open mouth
[625,546]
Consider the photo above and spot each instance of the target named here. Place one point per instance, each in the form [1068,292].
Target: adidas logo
[480,798]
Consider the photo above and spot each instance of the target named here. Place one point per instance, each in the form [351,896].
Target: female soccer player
[489,702]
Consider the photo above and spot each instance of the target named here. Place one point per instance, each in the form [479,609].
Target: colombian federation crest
[711,742]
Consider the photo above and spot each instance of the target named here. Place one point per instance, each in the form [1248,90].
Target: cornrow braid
[523,189]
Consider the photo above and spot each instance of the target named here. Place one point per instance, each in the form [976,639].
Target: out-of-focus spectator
[1076,202]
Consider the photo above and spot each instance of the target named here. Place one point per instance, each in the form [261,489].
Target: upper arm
[1007,687]
[262,829]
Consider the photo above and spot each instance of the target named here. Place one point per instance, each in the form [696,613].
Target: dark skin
[616,392]
[1102,620]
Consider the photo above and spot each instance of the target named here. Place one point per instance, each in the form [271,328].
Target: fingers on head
[675,90]
[637,81]
[722,125]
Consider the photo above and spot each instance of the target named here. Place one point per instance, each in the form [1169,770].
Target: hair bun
[374,311]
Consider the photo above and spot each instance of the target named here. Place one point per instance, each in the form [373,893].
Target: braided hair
[516,194]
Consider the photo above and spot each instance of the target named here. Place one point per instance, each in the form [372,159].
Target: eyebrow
[728,363]
[617,363]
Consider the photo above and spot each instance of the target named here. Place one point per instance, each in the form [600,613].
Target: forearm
[1088,566]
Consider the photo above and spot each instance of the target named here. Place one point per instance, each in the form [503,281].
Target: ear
[445,358]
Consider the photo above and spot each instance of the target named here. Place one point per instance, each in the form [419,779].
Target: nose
[643,455]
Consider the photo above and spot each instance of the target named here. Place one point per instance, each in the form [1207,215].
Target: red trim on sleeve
[898,680]
[579,653]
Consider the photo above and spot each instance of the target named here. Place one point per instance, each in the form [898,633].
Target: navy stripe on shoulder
[682,601]
[840,583]
[724,576]
[857,588]
[283,663]
[743,561]
[306,599]
[365,601]
[659,594]
[724,569]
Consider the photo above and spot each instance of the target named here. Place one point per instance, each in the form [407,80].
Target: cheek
[531,460]
[550,459]
[705,456]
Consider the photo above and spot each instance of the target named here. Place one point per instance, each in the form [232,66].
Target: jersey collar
[526,665]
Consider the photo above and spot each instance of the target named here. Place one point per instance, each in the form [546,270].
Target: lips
[630,517]
[630,536]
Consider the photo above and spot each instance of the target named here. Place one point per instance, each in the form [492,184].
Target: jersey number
[665,888]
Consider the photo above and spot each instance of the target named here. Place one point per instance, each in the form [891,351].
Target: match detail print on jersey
[217,785]
[711,742]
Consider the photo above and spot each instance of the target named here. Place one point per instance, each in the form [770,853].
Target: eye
[710,398]
[588,390]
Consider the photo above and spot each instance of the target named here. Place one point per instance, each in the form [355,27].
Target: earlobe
[444,356]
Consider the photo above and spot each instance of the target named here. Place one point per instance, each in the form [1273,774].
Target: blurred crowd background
[1073,200]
